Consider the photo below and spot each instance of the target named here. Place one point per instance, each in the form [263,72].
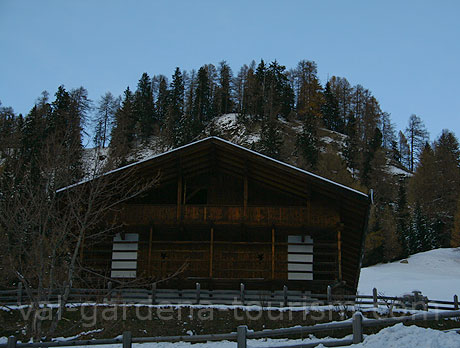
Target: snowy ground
[436,273]
[397,336]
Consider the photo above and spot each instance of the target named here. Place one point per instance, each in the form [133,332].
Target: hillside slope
[436,273]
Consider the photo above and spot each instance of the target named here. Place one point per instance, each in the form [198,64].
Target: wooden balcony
[290,216]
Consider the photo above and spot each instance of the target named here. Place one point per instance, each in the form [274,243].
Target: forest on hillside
[43,150]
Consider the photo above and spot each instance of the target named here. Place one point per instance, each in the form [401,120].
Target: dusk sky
[407,53]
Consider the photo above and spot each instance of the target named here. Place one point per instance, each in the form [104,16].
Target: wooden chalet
[235,216]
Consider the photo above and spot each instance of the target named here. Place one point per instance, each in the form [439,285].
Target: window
[124,255]
[300,258]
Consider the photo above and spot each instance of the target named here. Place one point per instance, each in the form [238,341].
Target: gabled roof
[247,154]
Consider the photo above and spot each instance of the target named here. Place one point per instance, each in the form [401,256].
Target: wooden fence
[278,298]
[357,324]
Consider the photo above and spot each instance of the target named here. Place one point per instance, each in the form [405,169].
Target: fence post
[154,293]
[109,288]
[11,342]
[329,294]
[127,342]
[241,336]
[357,324]
[285,295]
[374,297]
[455,302]
[198,288]
[242,293]
[19,293]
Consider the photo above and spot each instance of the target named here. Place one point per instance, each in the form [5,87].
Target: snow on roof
[229,143]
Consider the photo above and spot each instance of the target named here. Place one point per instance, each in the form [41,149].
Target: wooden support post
[179,198]
[339,252]
[154,293]
[198,288]
[150,251]
[455,302]
[11,342]
[19,299]
[127,339]
[357,324]
[241,336]
[245,197]
[273,252]
[242,293]
[285,295]
[374,297]
[329,294]
[211,252]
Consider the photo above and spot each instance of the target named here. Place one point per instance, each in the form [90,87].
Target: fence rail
[357,324]
[265,298]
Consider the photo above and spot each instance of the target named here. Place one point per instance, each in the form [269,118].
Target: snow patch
[436,273]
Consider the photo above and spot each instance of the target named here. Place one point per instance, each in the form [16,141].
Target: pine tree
[307,142]
[270,139]
[455,236]
[64,133]
[162,102]
[123,132]
[175,130]
[145,107]
[403,219]
[330,111]
[202,104]
[423,237]
[224,92]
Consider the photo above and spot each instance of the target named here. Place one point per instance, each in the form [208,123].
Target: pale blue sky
[406,52]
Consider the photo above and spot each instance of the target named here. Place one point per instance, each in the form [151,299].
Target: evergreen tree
[145,107]
[224,92]
[330,111]
[402,219]
[423,237]
[270,139]
[175,125]
[307,142]
[64,133]
[455,236]
[202,104]
[123,132]
[162,102]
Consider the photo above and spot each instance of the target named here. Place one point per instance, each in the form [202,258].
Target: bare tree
[417,136]
[43,227]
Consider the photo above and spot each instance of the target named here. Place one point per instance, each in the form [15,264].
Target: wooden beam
[273,252]
[245,197]
[179,198]
[150,252]
[339,251]
[211,251]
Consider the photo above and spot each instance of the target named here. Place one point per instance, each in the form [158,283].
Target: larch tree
[104,119]
[417,136]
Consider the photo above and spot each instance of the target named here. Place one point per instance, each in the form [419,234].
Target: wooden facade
[232,216]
